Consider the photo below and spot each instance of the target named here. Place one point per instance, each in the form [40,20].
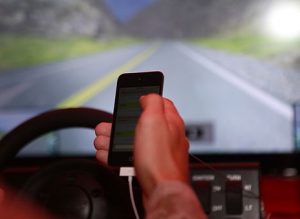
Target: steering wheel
[77,189]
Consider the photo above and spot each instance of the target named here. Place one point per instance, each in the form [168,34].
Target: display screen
[127,114]
[231,67]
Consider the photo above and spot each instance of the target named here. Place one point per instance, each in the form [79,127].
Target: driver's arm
[161,160]
[12,207]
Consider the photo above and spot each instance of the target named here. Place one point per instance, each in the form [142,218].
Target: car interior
[231,67]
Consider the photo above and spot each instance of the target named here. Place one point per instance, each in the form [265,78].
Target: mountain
[139,18]
[190,18]
[56,17]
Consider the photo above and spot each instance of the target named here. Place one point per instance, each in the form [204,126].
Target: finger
[152,103]
[103,128]
[102,142]
[172,116]
[170,107]
[102,156]
[176,124]
[152,113]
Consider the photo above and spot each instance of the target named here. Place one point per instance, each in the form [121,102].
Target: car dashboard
[228,186]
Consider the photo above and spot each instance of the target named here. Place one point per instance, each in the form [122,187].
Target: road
[240,115]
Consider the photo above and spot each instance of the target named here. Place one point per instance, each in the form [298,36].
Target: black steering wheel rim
[45,122]
[80,189]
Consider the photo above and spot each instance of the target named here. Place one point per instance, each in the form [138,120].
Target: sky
[124,10]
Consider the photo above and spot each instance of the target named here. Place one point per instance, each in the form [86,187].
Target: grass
[17,51]
[256,45]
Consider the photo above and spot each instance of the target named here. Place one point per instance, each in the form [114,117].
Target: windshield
[231,67]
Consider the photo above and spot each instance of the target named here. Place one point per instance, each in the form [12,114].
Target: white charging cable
[130,173]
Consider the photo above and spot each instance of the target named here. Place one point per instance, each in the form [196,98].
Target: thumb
[153,103]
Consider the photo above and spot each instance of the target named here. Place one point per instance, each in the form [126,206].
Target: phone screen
[128,113]
[127,110]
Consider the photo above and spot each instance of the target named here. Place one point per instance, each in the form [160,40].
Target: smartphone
[130,87]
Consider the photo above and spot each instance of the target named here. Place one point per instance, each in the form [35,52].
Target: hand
[12,205]
[160,146]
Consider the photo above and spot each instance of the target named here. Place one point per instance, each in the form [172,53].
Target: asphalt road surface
[223,112]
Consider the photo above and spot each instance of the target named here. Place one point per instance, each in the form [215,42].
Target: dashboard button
[234,197]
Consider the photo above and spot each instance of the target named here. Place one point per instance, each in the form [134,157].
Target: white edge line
[265,98]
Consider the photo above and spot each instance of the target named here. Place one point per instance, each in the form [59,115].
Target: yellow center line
[85,94]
